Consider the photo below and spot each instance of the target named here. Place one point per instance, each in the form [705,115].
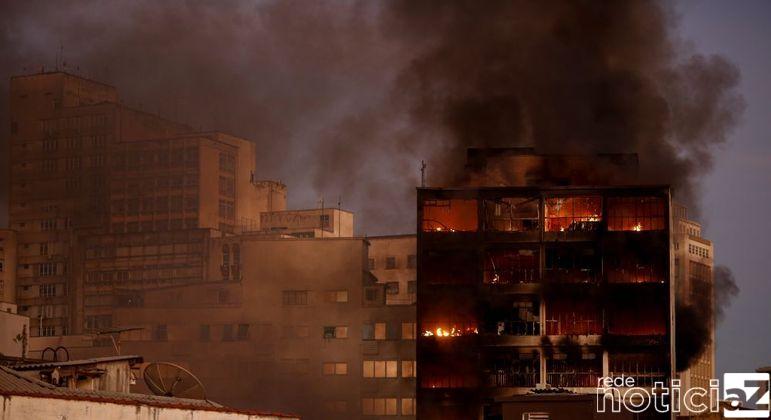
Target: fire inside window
[572,214]
[512,214]
[454,215]
[635,213]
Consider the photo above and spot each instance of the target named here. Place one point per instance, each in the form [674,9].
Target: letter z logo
[747,395]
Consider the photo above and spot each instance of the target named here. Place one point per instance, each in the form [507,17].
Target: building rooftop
[47,364]
[16,383]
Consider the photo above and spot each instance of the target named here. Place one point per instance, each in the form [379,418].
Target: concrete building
[28,398]
[7,266]
[392,260]
[693,265]
[63,128]
[523,287]
[311,223]
[303,328]
[14,331]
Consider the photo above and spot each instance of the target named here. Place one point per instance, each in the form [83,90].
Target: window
[47,269]
[336,296]
[635,213]
[243,331]
[380,331]
[516,214]
[379,406]
[573,214]
[371,264]
[408,331]
[47,290]
[43,248]
[455,215]
[335,368]
[160,333]
[336,332]
[227,162]
[408,368]
[205,332]
[392,288]
[408,406]
[412,287]
[48,331]
[390,263]
[227,209]
[49,165]
[1,266]
[227,187]
[371,294]
[295,297]
[48,224]
[380,369]
[412,261]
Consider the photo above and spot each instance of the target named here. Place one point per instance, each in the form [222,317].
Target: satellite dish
[170,380]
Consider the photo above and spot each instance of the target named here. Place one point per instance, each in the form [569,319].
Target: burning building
[539,286]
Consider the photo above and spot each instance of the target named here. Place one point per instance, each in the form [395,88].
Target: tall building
[694,262]
[7,266]
[131,228]
[523,288]
[63,130]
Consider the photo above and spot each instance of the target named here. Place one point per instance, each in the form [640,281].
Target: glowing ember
[637,228]
[452,332]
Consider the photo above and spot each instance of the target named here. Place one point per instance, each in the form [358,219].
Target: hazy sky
[737,194]
[303,69]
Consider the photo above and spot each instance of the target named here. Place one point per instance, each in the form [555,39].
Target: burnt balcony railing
[571,275]
[518,328]
[644,379]
[573,379]
[511,276]
[499,378]
[569,325]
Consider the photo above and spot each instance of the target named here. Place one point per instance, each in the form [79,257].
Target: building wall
[8,265]
[13,327]
[393,260]
[26,407]
[694,264]
[310,223]
[62,130]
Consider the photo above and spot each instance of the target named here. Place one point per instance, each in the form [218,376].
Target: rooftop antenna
[339,203]
[422,173]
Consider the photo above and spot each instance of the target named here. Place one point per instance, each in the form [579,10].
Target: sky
[736,200]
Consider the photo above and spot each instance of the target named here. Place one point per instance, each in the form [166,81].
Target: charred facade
[525,288]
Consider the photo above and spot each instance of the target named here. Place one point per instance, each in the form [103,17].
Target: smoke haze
[346,98]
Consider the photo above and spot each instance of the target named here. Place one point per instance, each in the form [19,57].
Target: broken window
[509,266]
[453,215]
[449,267]
[573,315]
[513,369]
[512,214]
[572,367]
[636,213]
[573,214]
[572,264]
[645,368]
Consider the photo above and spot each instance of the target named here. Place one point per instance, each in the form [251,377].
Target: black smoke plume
[695,313]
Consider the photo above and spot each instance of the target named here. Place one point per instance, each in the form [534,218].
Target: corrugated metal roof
[16,383]
[95,360]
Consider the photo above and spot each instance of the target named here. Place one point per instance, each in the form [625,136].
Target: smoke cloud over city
[345,99]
